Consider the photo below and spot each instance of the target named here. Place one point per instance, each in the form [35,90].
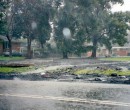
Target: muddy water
[52,95]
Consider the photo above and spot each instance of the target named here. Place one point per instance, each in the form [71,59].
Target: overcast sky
[124,7]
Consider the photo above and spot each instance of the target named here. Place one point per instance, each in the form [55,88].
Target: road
[53,95]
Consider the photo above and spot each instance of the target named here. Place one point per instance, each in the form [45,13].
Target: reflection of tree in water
[3,89]
[98,93]
[11,103]
[105,94]
[69,106]
[75,106]
[4,104]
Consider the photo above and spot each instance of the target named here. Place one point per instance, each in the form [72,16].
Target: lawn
[116,59]
[15,70]
[2,58]
[105,72]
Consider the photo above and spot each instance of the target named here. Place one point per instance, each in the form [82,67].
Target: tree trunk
[65,55]
[94,51]
[10,45]
[29,52]
[42,45]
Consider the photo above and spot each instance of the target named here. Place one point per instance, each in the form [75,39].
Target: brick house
[4,46]
[116,49]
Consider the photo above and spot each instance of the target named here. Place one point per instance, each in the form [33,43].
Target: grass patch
[105,72]
[2,58]
[116,59]
[15,70]
[83,71]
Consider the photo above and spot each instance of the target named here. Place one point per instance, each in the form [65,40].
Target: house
[121,51]
[19,46]
[4,45]
[117,50]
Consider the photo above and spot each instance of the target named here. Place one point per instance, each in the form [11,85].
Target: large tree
[116,30]
[91,21]
[24,21]
[44,21]
[33,21]
[102,27]
[3,7]
[8,16]
[66,20]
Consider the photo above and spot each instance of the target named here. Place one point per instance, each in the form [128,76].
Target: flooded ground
[65,93]
[53,95]
[66,69]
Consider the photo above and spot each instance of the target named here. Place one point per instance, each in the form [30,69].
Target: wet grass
[3,58]
[15,70]
[116,59]
[105,72]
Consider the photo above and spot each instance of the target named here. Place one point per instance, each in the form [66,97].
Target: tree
[65,20]
[3,7]
[79,42]
[98,23]
[91,21]
[8,16]
[31,24]
[118,27]
[43,21]
[8,21]
[25,22]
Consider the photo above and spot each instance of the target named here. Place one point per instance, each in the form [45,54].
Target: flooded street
[53,95]
[64,55]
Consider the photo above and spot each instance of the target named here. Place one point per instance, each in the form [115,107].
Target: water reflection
[67,106]
[63,90]
[74,106]
[4,104]
[114,94]
[2,89]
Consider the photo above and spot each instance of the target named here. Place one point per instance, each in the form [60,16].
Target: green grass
[2,58]
[15,70]
[116,59]
[105,72]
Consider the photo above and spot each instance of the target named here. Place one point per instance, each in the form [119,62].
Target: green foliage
[79,42]
[105,72]
[3,7]
[116,59]
[15,70]
[88,20]
[2,58]
[29,12]
[118,28]
[64,19]
[102,26]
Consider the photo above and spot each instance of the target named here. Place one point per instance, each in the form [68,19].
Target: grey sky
[124,7]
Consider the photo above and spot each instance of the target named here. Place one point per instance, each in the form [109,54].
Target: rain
[64,55]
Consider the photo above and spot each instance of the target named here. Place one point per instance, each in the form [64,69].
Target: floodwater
[53,95]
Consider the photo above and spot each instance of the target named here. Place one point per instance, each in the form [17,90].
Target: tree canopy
[3,7]
[89,21]
[101,25]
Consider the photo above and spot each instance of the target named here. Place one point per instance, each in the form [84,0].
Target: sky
[124,7]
